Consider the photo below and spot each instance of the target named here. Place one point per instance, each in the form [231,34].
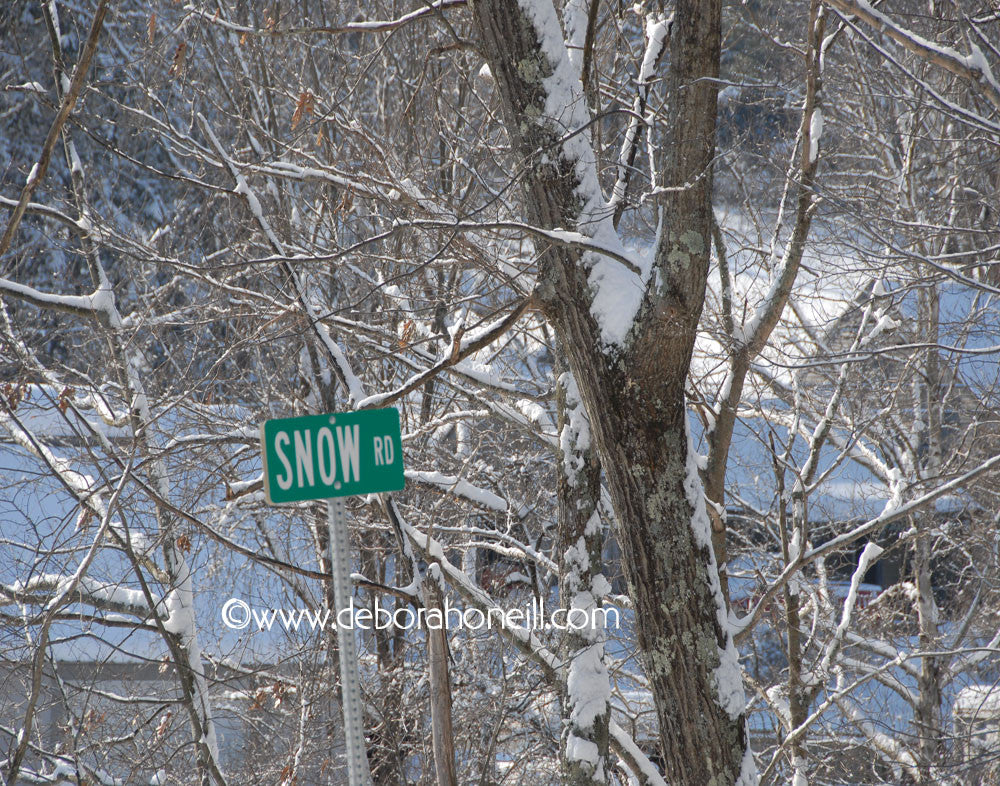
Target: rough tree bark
[634,393]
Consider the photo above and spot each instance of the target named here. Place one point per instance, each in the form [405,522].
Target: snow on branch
[893,511]
[973,67]
[459,487]
[526,641]
[45,211]
[54,590]
[361,26]
[637,761]
[871,553]
[39,169]
[462,347]
[561,237]
[82,486]
[657,41]
[93,305]
[550,97]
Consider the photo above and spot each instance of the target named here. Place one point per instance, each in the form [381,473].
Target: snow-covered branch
[973,68]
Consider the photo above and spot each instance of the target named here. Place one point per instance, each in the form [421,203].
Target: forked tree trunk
[634,394]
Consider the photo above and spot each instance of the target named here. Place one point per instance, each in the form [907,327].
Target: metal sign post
[358,771]
[331,457]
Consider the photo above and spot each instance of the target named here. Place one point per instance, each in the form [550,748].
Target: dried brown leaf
[178,63]
[406,331]
[304,106]
[65,395]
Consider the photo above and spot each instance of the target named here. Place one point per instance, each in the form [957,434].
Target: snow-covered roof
[978,700]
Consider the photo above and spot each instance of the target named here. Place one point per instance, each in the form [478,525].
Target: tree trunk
[928,716]
[586,689]
[442,738]
[672,580]
[634,393]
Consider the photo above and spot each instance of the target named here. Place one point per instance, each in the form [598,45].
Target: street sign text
[337,455]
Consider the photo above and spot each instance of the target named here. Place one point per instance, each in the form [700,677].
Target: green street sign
[336,455]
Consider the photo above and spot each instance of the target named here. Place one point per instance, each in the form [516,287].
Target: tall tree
[631,357]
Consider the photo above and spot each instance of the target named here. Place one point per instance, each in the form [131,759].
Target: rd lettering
[384,451]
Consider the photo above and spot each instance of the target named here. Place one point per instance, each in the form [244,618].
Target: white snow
[794,552]
[578,749]
[748,769]
[885,324]
[870,554]
[460,487]
[75,302]
[76,167]
[616,290]
[29,87]
[179,617]
[657,28]
[799,777]
[252,202]
[354,387]
[648,769]
[617,294]
[533,411]
[728,677]
[485,373]
[587,684]
[978,701]
[656,33]
[815,132]
[574,438]
[977,61]
[102,594]
[103,299]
